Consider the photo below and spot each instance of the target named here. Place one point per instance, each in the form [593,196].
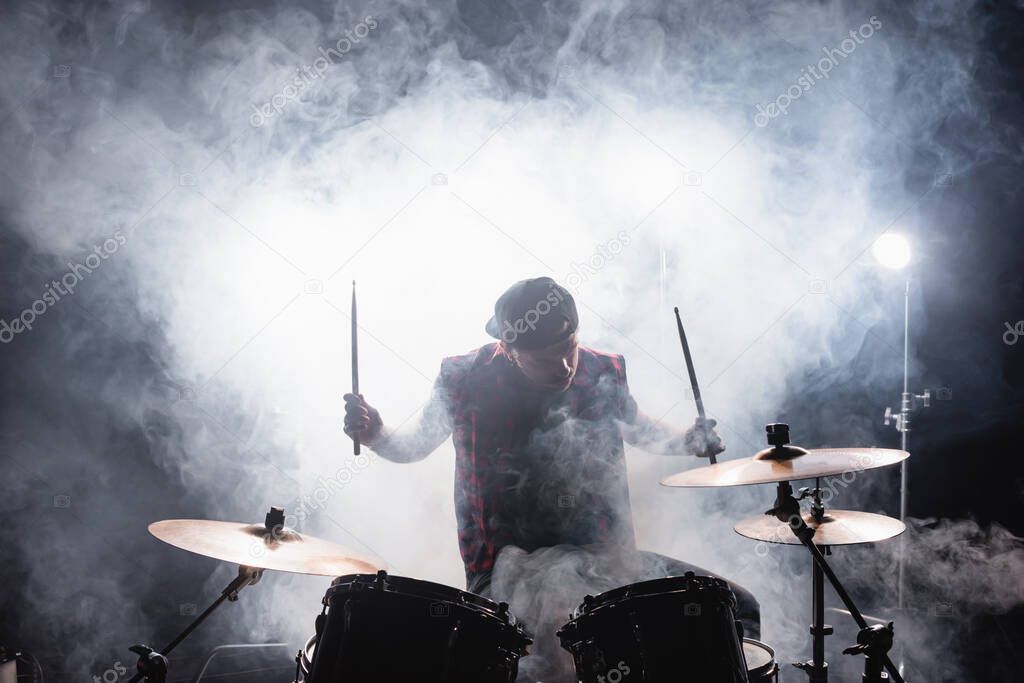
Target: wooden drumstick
[355,361]
[693,375]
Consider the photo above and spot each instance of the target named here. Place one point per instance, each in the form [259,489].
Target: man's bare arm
[655,436]
[404,443]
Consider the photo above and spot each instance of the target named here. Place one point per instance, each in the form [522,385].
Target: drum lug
[639,637]
[453,638]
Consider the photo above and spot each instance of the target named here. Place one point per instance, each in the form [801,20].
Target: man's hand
[702,440]
[361,420]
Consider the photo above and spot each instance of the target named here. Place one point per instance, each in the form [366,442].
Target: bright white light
[892,251]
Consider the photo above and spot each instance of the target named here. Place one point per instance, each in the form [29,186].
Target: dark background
[966,447]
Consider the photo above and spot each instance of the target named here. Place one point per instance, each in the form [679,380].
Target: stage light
[892,251]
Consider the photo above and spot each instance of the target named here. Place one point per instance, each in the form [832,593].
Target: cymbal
[800,464]
[838,527]
[253,546]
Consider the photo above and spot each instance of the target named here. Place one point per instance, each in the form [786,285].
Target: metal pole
[355,360]
[819,669]
[906,399]
[847,601]
[905,405]
[246,577]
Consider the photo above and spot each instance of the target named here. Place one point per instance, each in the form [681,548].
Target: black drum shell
[390,628]
[674,629]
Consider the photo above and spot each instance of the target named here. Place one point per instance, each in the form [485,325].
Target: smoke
[521,578]
[444,151]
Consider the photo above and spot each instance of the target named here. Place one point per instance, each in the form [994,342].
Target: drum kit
[374,626]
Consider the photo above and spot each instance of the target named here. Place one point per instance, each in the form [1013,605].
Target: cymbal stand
[873,642]
[152,665]
[787,509]
[816,668]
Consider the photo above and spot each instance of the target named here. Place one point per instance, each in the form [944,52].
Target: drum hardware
[453,639]
[152,664]
[817,507]
[782,463]
[254,548]
[638,636]
[874,642]
[816,668]
[874,646]
[837,527]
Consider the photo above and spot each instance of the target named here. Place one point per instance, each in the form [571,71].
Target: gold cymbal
[838,527]
[764,468]
[253,545]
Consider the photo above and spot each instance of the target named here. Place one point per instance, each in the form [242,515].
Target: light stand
[901,421]
[893,251]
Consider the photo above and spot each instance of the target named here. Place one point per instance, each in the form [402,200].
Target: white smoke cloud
[452,150]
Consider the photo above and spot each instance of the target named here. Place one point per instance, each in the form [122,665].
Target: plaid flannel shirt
[535,479]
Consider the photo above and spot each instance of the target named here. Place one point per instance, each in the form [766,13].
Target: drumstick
[355,362]
[693,375]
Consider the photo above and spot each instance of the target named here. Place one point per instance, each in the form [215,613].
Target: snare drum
[761,665]
[680,628]
[381,628]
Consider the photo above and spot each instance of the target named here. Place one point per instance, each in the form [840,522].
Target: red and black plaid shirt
[536,468]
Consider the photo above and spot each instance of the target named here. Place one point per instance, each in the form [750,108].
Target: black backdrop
[967,446]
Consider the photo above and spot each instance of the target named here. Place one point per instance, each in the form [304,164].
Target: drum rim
[439,592]
[764,668]
[621,593]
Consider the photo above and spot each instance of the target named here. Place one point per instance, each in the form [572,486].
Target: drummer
[538,423]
